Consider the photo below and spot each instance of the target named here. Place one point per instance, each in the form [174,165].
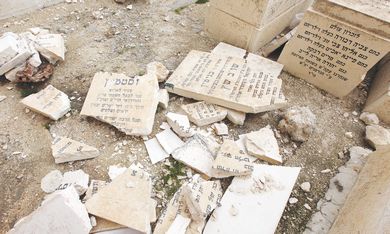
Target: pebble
[349,135]
[292,200]
[305,186]
[325,171]
[369,118]
[307,206]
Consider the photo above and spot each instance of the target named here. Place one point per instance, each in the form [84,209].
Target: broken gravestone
[122,102]
[180,124]
[51,181]
[61,212]
[299,123]
[263,145]
[169,140]
[252,201]
[377,136]
[51,47]
[179,225]
[231,161]
[155,151]
[67,150]
[202,113]
[77,179]
[249,86]
[126,200]
[49,102]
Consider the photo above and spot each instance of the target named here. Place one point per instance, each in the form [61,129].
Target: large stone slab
[126,200]
[67,150]
[370,194]
[332,54]
[254,204]
[245,85]
[49,102]
[61,212]
[129,104]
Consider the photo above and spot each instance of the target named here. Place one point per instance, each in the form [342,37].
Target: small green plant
[178,10]
[47,126]
[202,1]
[175,170]
[27,89]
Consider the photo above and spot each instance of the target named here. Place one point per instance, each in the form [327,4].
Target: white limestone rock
[67,150]
[77,179]
[180,124]
[49,102]
[51,181]
[51,47]
[61,213]
[179,225]
[2,98]
[159,70]
[369,118]
[202,113]
[221,129]
[163,98]
[299,123]
[155,151]
[236,117]
[305,186]
[8,48]
[169,140]
[263,144]
[377,136]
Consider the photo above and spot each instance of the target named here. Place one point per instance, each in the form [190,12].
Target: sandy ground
[125,41]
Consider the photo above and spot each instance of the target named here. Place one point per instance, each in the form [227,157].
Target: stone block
[67,150]
[202,113]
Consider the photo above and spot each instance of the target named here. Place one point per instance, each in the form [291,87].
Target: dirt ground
[125,41]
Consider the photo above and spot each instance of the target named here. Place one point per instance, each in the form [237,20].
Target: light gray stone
[369,118]
[377,136]
[299,123]
[51,181]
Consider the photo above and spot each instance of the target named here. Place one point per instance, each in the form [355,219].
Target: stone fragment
[119,203]
[277,42]
[155,150]
[51,47]
[231,161]
[77,179]
[8,48]
[159,70]
[229,50]
[196,154]
[292,200]
[221,129]
[153,215]
[2,98]
[23,53]
[299,123]
[51,181]
[349,135]
[169,140]
[259,200]
[307,207]
[61,212]
[305,186]
[163,98]
[263,144]
[202,197]
[180,124]
[164,125]
[49,102]
[93,188]
[115,170]
[133,113]
[202,113]
[377,136]
[67,150]
[216,79]
[369,118]
[179,225]
[236,117]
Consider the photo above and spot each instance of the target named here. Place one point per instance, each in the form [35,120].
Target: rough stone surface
[299,123]
[377,136]
[51,181]
[49,102]
[369,118]
[159,70]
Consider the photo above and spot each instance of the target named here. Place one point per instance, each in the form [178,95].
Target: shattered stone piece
[77,179]
[259,200]
[123,102]
[263,144]
[8,48]
[169,140]
[61,212]
[51,47]
[115,170]
[155,150]
[180,124]
[158,70]
[305,186]
[377,136]
[299,123]
[163,98]
[276,43]
[36,31]
[217,79]
[93,188]
[229,50]
[202,113]
[369,118]
[221,129]
[67,150]
[49,102]
[292,200]
[128,206]
[231,161]
[2,98]
[307,207]
[164,125]
[51,181]
[236,117]
[196,154]
[179,225]
[202,197]
[153,215]
[349,135]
